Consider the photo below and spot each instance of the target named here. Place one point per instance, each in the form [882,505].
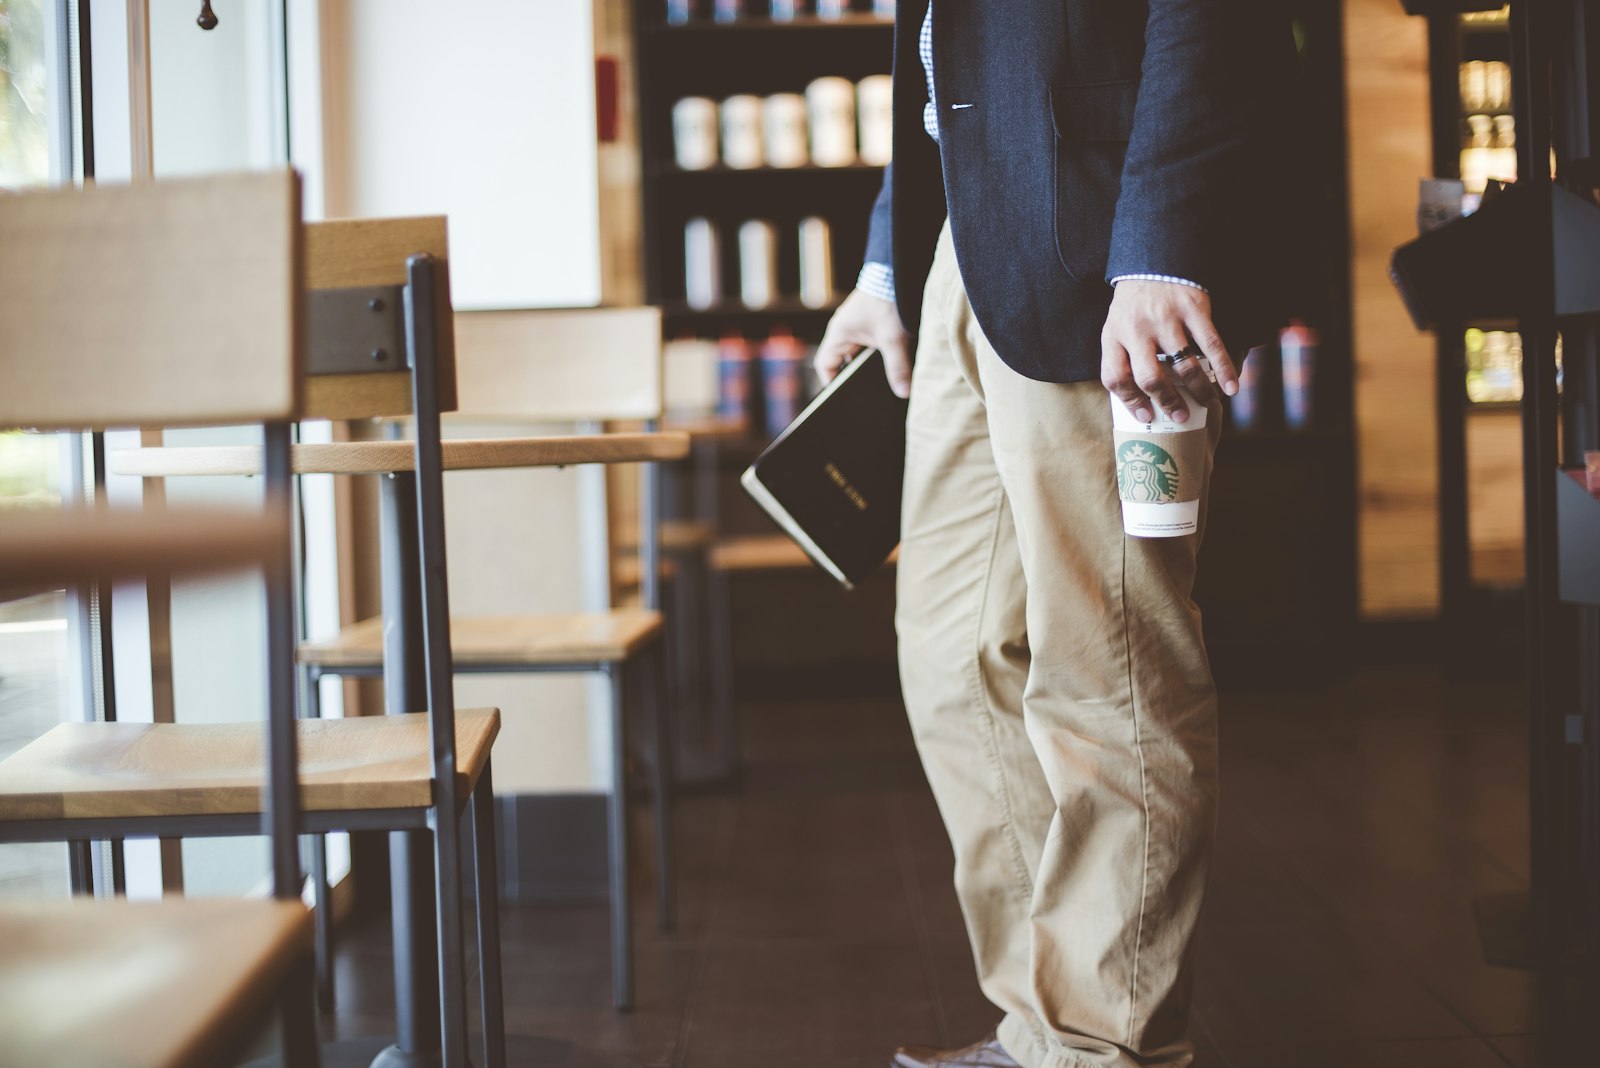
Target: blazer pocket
[1092,126]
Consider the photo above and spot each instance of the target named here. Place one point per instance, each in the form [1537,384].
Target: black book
[832,479]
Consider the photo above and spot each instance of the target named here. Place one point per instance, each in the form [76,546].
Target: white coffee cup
[783,121]
[1160,469]
[694,132]
[875,111]
[741,132]
[831,104]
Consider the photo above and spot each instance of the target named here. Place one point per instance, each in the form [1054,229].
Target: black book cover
[832,479]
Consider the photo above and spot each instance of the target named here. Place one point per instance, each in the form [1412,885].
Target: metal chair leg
[686,633]
[322,899]
[617,812]
[486,888]
[80,866]
[297,1012]
[321,892]
[720,613]
[659,694]
[451,947]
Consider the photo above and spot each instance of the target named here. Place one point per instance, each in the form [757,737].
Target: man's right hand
[864,321]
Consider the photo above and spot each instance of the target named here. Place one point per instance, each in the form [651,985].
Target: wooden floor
[819,927]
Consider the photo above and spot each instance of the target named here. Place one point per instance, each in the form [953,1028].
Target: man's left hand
[1147,318]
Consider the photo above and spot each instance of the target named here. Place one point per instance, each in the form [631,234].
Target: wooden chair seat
[120,984]
[506,641]
[383,457]
[110,770]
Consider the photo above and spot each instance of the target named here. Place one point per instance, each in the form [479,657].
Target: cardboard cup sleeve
[1160,467]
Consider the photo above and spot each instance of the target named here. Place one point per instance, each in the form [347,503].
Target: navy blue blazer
[1103,138]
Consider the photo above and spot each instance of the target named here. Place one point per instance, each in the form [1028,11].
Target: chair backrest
[172,303]
[560,365]
[166,304]
[362,253]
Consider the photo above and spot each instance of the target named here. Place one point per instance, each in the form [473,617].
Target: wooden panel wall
[1387,97]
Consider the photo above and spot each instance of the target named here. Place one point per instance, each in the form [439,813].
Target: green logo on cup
[1146,473]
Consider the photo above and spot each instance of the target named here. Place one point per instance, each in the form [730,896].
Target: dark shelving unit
[758,56]
[1556,61]
[1538,250]
[1478,621]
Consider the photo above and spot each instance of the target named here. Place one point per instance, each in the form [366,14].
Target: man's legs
[1059,692]
[964,650]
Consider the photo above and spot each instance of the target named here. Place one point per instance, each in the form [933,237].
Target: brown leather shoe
[987,1052]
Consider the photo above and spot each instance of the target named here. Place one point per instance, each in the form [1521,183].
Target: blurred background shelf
[751,26]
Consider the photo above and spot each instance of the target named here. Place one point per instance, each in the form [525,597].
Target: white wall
[516,546]
[483,112]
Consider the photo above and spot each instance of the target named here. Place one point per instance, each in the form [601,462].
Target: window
[41,651]
[24,103]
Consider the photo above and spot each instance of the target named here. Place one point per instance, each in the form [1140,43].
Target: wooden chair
[414,772]
[586,367]
[148,306]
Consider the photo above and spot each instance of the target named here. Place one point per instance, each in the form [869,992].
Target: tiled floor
[819,927]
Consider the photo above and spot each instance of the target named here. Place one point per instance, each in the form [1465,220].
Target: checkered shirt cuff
[1159,278]
[877,280]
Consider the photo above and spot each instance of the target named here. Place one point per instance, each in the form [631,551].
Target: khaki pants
[1061,700]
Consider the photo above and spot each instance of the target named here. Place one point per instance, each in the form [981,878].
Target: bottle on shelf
[758,263]
[1245,406]
[1297,352]
[1478,160]
[874,112]
[1505,148]
[831,107]
[783,124]
[694,133]
[816,263]
[734,395]
[782,379]
[1496,85]
[682,12]
[690,376]
[702,264]
[741,132]
[1474,85]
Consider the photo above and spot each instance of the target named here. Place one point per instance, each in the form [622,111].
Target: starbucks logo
[1146,473]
